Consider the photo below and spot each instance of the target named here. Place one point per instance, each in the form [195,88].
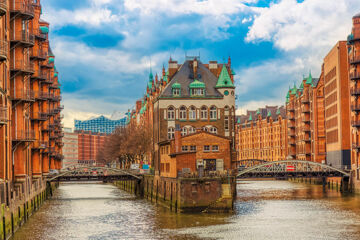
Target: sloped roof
[185,77]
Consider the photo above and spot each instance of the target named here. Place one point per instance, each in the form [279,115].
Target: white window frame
[184,131]
[182,113]
[204,113]
[171,133]
[213,113]
[171,113]
[192,113]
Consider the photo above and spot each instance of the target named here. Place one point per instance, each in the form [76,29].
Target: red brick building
[89,144]
[184,154]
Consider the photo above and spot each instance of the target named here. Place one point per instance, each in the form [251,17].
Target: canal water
[264,210]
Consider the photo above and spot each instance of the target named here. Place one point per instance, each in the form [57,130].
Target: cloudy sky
[103,47]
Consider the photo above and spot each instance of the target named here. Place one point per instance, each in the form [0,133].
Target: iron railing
[355,123]
[22,36]
[3,115]
[38,53]
[22,94]
[23,7]
[24,135]
[23,66]
[355,107]
[40,145]
[3,7]
[355,91]
[355,59]
[39,116]
[355,76]
[4,50]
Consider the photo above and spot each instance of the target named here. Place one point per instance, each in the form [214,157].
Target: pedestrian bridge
[291,168]
[85,174]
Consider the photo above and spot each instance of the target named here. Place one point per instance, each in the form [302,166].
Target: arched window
[184,131]
[192,113]
[191,130]
[182,112]
[206,129]
[204,113]
[171,113]
[171,133]
[213,130]
[213,113]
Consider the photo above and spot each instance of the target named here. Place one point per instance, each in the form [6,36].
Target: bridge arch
[114,170]
[291,168]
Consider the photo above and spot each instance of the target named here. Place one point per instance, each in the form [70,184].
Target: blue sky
[103,47]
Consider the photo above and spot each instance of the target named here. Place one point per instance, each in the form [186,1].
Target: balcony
[306,128]
[355,107]
[291,133]
[355,91]
[28,40]
[24,136]
[292,142]
[37,145]
[307,139]
[23,95]
[3,115]
[55,86]
[55,98]
[46,64]
[39,116]
[48,80]
[45,127]
[305,109]
[3,7]
[22,66]
[4,50]
[291,125]
[306,119]
[38,54]
[355,124]
[22,8]
[354,76]
[290,108]
[305,99]
[355,36]
[40,35]
[355,60]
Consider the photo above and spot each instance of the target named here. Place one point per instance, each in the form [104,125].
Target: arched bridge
[291,168]
[86,173]
[249,162]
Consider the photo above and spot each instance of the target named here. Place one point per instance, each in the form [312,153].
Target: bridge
[291,168]
[249,163]
[86,174]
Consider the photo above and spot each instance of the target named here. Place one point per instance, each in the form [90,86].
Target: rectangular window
[206,148]
[226,123]
[168,167]
[215,148]
[176,92]
[184,148]
[192,148]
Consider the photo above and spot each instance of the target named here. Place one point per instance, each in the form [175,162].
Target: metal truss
[291,168]
[86,173]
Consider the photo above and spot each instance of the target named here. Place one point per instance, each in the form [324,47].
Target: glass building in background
[99,125]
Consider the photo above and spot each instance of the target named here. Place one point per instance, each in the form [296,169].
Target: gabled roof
[185,76]
[196,84]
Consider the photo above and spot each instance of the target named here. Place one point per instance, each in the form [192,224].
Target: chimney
[177,138]
[213,67]
[173,67]
[195,67]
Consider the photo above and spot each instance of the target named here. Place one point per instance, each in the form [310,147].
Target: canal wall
[19,201]
[208,194]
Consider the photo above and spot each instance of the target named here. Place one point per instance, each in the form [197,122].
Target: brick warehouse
[30,119]
[262,135]
[322,113]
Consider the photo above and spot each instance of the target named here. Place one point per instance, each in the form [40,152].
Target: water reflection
[263,210]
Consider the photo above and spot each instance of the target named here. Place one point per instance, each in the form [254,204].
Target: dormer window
[197,88]
[197,92]
[176,92]
[176,89]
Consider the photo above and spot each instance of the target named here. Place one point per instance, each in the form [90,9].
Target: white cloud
[180,7]
[94,15]
[310,24]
